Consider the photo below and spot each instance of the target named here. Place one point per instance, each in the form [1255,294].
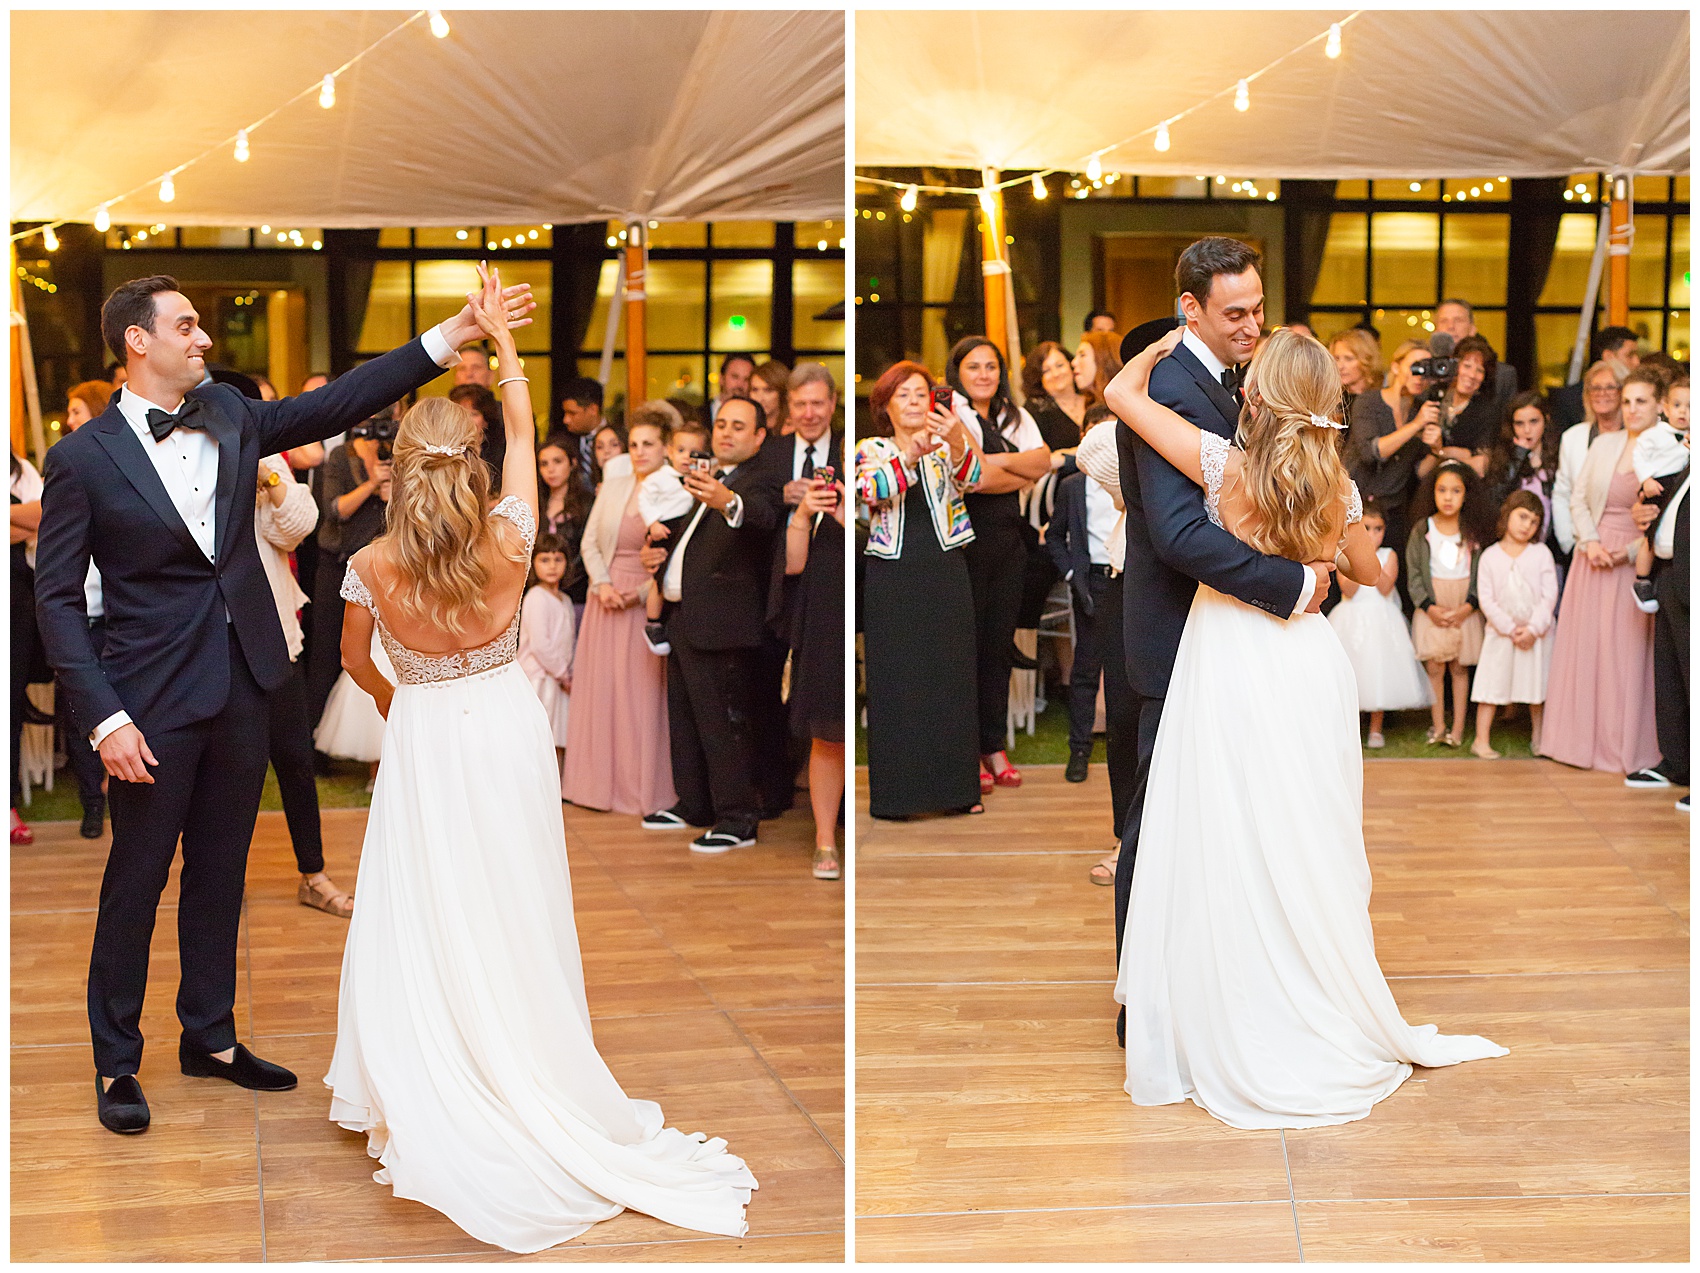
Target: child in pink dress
[546,635]
[1517,586]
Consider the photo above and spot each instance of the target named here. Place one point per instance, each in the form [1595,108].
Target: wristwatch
[272,479]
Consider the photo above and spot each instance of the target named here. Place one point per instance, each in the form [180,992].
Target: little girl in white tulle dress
[1371,627]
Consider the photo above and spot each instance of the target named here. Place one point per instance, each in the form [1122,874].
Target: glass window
[1471,189]
[517,236]
[1649,325]
[1341,279]
[1679,263]
[1652,189]
[1351,189]
[387,323]
[1555,334]
[1647,261]
[394,237]
[213,236]
[675,312]
[741,308]
[679,376]
[449,236]
[1491,324]
[1677,333]
[1399,325]
[1477,255]
[593,332]
[1680,193]
[1172,187]
[1406,253]
[1406,189]
[1583,187]
[817,297]
[677,234]
[1567,279]
[741,234]
[820,235]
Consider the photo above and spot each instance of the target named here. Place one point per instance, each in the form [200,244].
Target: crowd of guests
[682,623]
[1533,549]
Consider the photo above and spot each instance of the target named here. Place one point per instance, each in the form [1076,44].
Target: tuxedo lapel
[1220,398]
[121,443]
[228,434]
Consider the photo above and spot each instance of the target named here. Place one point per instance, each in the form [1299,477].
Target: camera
[1442,371]
[380,428]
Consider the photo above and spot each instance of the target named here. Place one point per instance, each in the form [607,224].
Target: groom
[1172,547]
[158,493]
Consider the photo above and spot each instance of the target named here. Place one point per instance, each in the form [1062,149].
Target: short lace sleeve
[516,511]
[1213,460]
[354,589]
[1354,506]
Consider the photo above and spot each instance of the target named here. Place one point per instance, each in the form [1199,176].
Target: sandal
[826,862]
[1008,776]
[335,903]
[1451,741]
[1104,873]
[1433,737]
[987,782]
[21,833]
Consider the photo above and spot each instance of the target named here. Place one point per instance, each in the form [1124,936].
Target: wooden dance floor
[716,985]
[1541,906]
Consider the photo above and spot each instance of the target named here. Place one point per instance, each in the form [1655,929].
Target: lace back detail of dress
[1354,506]
[414,667]
[516,511]
[1213,460]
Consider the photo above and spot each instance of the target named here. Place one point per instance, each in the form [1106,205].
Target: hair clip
[1323,422]
[444,450]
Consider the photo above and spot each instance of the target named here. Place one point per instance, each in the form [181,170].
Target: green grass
[345,788]
[1404,732]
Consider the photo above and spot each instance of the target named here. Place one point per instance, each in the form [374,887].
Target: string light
[167,189]
[1162,142]
[1039,190]
[1242,97]
[49,239]
[327,92]
[102,219]
[910,197]
[1094,169]
[440,24]
[241,145]
[1332,48]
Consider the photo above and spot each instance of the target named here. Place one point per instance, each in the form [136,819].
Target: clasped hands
[1450,617]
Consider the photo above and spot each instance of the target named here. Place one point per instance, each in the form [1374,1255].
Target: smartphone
[942,395]
[827,474]
[702,462]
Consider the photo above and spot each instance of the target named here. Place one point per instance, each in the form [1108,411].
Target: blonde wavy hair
[436,525]
[1292,470]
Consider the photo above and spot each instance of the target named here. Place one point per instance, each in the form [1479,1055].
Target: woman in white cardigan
[1600,693]
[284,515]
[617,755]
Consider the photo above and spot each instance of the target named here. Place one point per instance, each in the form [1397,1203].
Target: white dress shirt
[1664,538]
[187,463]
[1102,520]
[821,447]
[673,580]
[1096,457]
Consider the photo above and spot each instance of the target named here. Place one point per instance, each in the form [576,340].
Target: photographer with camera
[355,493]
[1461,377]
[1385,444]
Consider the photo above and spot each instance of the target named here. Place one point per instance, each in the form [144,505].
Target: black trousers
[1670,677]
[205,789]
[1121,704]
[324,647]
[997,570]
[1150,716]
[1088,663]
[84,760]
[775,774]
[712,735]
[291,751]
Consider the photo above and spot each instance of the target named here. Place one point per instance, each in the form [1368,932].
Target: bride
[464,1047]
[1248,963]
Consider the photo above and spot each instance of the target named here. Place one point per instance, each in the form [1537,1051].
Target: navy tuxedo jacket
[1172,546]
[167,656]
[723,588]
[1066,538]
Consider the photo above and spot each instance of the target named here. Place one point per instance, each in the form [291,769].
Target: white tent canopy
[517,117]
[1417,93]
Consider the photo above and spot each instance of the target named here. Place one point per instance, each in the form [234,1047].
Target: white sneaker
[1376,740]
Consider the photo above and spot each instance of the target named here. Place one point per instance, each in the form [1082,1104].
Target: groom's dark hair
[1205,259]
[131,305]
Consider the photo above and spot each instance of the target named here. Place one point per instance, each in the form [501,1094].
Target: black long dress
[997,573]
[817,637]
[918,643]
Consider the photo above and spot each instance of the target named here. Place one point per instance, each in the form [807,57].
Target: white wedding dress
[1248,964]
[464,1046]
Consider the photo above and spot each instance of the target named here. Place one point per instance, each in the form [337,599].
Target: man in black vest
[715,570]
[1172,546]
[157,492]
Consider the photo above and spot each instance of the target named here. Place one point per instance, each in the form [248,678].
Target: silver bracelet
[510,380]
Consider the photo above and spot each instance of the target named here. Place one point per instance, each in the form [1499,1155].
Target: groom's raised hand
[463,328]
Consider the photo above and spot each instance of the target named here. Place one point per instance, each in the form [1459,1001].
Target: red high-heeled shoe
[986,783]
[1008,776]
[21,833]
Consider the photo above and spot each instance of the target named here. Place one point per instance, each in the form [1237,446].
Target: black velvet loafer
[123,1108]
[243,1069]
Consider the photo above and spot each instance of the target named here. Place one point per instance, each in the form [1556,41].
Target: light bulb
[1094,169]
[241,145]
[167,189]
[1416,187]
[910,197]
[102,219]
[1242,97]
[460,234]
[265,229]
[49,239]
[327,92]
[1039,190]
[1162,142]
[1332,48]
[440,24]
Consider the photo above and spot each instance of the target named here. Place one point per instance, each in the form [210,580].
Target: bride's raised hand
[488,308]
[513,304]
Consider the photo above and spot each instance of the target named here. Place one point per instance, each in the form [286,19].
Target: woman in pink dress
[1600,693]
[617,755]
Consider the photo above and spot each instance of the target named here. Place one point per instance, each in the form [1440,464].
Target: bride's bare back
[507,583]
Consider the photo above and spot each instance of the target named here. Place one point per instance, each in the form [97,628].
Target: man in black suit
[791,461]
[1172,546]
[157,492]
[715,571]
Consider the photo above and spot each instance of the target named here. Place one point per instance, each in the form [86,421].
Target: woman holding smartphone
[918,609]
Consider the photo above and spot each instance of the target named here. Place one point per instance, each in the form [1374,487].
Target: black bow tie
[161,423]
[1232,378]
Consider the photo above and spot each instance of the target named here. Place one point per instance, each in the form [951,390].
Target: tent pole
[611,323]
[994,266]
[637,277]
[23,366]
[1585,320]
[1622,235]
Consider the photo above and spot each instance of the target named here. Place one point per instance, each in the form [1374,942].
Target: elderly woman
[1599,711]
[1602,412]
[918,607]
